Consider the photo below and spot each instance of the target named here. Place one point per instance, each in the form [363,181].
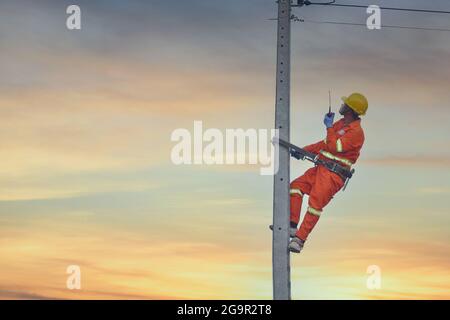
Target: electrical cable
[364,25]
[332,3]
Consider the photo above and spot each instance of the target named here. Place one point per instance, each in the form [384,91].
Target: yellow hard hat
[357,102]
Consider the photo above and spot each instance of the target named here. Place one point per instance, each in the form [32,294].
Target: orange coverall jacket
[342,144]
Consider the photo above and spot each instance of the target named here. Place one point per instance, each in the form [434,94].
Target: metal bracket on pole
[281,211]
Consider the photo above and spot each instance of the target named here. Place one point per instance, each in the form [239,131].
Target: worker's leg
[324,188]
[299,187]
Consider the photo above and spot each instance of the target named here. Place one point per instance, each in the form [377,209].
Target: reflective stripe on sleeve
[339,145]
[314,211]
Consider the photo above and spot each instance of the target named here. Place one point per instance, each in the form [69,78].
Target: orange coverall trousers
[321,185]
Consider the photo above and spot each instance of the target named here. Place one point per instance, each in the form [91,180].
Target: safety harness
[332,164]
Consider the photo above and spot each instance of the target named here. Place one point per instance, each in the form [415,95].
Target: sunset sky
[86,177]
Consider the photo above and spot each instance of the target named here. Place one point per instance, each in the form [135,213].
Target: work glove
[329,119]
[297,155]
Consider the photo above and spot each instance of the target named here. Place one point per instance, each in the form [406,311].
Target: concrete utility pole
[281,204]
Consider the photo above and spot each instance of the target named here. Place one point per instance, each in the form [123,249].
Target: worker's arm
[315,147]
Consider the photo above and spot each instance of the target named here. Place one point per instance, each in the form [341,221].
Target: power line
[297,19]
[332,3]
[364,25]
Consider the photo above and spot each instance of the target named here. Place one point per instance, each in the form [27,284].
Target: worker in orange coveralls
[342,144]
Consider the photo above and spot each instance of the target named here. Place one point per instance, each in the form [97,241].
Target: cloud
[22,295]
[434,190]
[114,263]
[414,161]
[81,113]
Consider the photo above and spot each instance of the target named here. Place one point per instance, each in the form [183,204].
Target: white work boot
[296,245]
[292,231]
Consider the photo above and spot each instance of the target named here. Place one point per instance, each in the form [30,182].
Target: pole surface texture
[280,253]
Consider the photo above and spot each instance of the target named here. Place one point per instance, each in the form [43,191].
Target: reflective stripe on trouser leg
[296,205]
[314,211]
[296,191]
[308,224]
